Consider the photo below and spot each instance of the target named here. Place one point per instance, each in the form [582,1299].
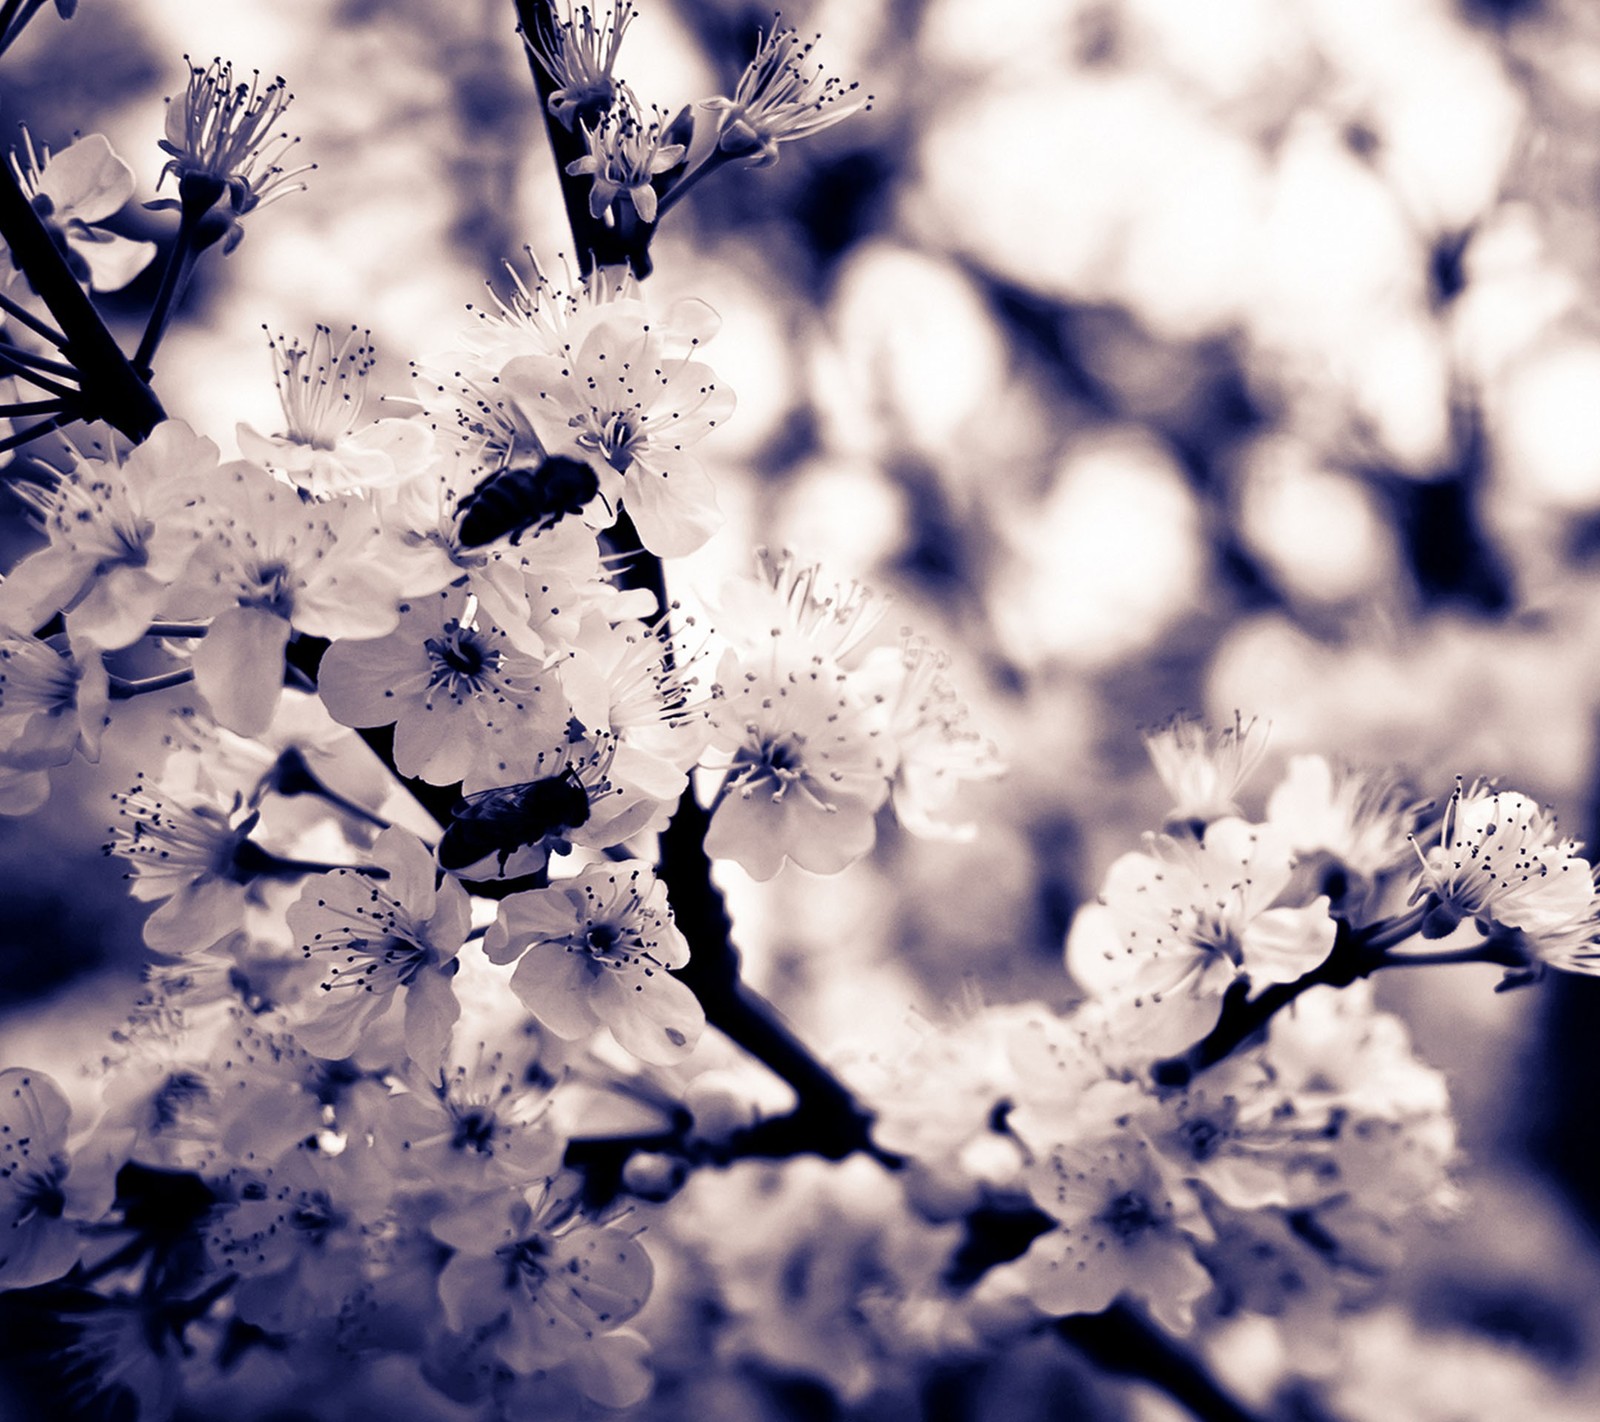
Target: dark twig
[1356,954]
[596,244]
[112,388]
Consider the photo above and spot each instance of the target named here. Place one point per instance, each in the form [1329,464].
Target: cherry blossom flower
[471,1128]
[937,749]
[450,682]
[810,769]
[52,704]
[1499,861]
[122,530]
[594,951]
[578,51]
[272,564]
[623,398]
[198,857]
[550,1287]
[1126,1223]
[1361,819]
[1204,769]
[1178,924]
[42,1205]
[326,449]
[219,142]
[625,154]
[781,96]
[790,606]
[371,938]
[293,1231]
[74,189]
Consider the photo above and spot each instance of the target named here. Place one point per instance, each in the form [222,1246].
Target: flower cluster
[818,724]
[434,1072]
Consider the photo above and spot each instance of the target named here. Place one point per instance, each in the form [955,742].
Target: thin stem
[1486,952]
[18,311]
[186,250]
[293,775]
[123,689]
[1355,954]
[31,407]
[36,361]
[669,199]
[21,372]
[33,432]
[112,388]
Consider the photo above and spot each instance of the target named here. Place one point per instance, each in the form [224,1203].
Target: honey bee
[513,817]
[525,497]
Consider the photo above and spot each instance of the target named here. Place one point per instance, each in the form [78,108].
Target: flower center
[1130,1215]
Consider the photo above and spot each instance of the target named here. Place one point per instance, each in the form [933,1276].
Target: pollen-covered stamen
[783,95]
[220,131]
[35,678]
[462,664]
[832,619]
[89,514]
[377,943]
[579,53]
[776,766]
[650,682]
[322,387]
[165,838]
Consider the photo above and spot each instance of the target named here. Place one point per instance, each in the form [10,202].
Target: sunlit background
[1154,355]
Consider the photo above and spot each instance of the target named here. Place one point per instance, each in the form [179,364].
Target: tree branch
[112,388]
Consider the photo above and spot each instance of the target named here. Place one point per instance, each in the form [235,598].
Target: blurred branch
[1123,1342]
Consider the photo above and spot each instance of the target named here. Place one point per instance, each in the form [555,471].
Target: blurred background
[1154,355]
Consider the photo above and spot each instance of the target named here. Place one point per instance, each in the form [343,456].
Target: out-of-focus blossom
[72,191]
[548,1285]
[1362,820]
[1204,769]
[1125,1222]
